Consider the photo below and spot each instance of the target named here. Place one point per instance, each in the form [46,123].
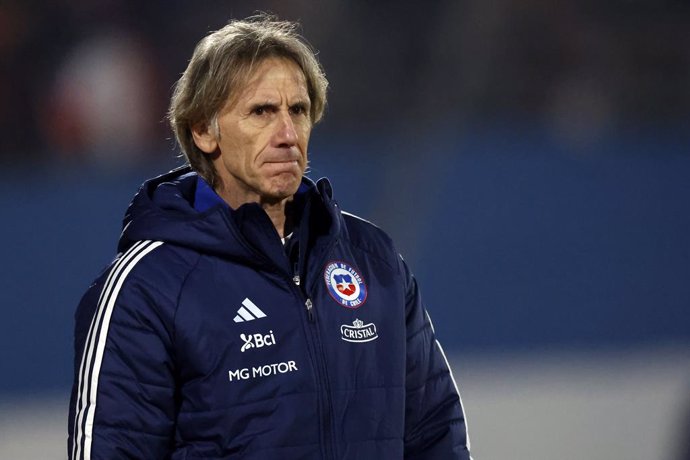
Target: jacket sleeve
[435,426]
[123,397]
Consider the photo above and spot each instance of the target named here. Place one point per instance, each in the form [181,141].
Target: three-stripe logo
[248,312]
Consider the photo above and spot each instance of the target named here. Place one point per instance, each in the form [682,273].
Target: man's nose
[286,135]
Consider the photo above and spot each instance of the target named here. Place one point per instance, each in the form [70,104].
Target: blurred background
[530,158]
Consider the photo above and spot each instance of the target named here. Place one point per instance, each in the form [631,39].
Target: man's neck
[279,211]
[280,215]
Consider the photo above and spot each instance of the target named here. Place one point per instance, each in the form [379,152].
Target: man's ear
[205,137]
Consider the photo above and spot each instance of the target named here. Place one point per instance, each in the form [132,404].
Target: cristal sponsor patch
[345,284]
[359,332]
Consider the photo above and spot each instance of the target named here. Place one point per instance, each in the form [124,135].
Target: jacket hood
[163,210]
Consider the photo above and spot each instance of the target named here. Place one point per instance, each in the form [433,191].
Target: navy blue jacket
[207,338]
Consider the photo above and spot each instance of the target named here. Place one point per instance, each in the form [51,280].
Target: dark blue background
[518,242]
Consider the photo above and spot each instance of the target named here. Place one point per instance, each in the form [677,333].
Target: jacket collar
[179,209]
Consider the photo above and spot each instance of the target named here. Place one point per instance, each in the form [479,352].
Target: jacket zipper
[310,311]
[321,371]
[307,303]
[327,427]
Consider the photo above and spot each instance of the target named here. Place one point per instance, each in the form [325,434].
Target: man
[246,316]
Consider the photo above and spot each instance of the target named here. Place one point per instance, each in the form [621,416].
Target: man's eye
[298,110]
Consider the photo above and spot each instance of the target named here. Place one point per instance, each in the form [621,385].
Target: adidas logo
[248,312]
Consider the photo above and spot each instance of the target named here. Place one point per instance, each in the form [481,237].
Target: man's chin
[281,189]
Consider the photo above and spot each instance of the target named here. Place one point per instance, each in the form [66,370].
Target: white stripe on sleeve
[94,348]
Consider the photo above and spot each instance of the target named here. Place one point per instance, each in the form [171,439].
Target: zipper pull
[295,278]
[310,310]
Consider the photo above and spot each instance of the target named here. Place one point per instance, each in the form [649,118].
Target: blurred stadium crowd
[91,80]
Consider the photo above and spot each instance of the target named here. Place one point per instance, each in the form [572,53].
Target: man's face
[264,132]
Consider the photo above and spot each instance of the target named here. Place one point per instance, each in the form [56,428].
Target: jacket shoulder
[370,238]
[145,266]
[149,259]
[163,270]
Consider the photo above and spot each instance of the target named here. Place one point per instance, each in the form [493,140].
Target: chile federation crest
[345,285]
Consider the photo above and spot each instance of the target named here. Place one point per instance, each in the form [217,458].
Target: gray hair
[221,63]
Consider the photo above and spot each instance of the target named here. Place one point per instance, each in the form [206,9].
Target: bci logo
[257,341]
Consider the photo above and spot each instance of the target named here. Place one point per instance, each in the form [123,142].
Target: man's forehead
[272,73]
[250,85]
